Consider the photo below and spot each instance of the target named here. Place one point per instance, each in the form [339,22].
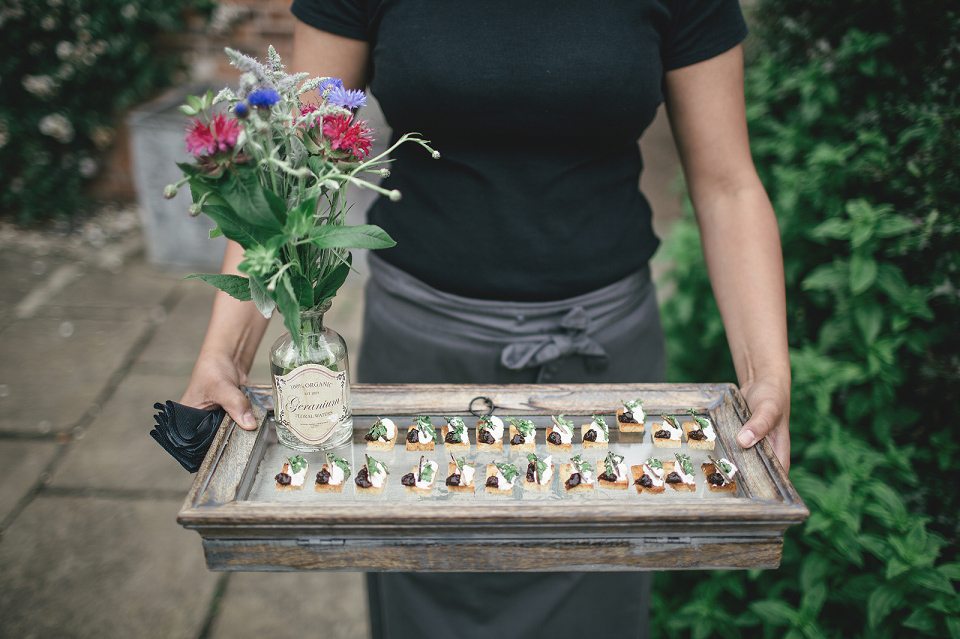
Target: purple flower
[329,83]
[263,98]
[347,98]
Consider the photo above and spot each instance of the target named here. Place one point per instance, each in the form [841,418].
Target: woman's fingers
[771,420]
[217,383]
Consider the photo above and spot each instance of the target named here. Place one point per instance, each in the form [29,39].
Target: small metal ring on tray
[485,399]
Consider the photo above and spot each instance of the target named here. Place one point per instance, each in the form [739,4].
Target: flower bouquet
[272,172]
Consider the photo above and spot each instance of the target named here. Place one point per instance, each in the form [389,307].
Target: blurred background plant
[854,114]
[69,69]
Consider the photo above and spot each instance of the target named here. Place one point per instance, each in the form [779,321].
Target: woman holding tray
[522,253]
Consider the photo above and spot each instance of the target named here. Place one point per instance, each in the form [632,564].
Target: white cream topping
[378,477]
[426,484]
[655,475]
[565,438]
[502,482]
[495,427]
[733,469]
[601,436]
[529,439]
[622,471]
[296,479]
[466,474]
[637,413]
[391,429]
[709,432]
[423,436]
[675,433]
[586,477]
[336,475]
[548,473]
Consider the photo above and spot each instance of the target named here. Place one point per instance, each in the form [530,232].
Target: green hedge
[854,114]
[69,68]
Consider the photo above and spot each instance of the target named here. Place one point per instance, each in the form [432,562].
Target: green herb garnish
[374,466]
[426,471]
[602,423]
[655,464]
[673,420]
[524,426]
[378,430]
[342,463]
[297,463]
[685,464]
[633,406]
[611,461]
[457,427]
[563,424]
[541,465]
[702,422]
[581,465]
[509,471]
[458,462]
[424,425]
[725,465]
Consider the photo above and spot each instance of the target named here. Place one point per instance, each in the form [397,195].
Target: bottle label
[312,400]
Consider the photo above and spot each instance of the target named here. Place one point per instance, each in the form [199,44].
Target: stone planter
[173,238]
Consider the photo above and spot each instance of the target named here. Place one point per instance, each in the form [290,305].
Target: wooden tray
[243,530]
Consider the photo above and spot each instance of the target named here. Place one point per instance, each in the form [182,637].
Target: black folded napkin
[185,432]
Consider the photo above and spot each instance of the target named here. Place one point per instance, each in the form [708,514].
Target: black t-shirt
[536,109]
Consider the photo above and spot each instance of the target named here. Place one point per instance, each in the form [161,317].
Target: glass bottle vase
[311,386]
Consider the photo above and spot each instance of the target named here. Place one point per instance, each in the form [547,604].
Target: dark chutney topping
[674,478]
[662,434]
[451,438]
[492,482]
[532,472]
[644,481]
[323,477]
[485,437]
[574,481]
[413,436]
[517,439]
[453,480]
[696,435]
[626,417]
[283,479]
[554,438]
[363,478]
[607,477]
[590,436]
[715,478]
[408,480]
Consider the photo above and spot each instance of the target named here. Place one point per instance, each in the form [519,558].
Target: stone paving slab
[52,371]
[175,344]
[288,604]
[21,464]
[135,286]
[23,271]
[116,450]
[102,569]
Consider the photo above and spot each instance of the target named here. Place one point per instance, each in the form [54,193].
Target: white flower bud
[194,209]
[436,155]
[395,195]
[384,173]
[170,191]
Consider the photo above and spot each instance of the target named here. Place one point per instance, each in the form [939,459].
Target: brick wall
[249,26]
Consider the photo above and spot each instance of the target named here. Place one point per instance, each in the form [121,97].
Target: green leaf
[895,568]
[893,225]
[235,228]
[834,228]
[825,277]
[289,308]
[953,627]
[932,579]
[277,206]
[951,571]
[328,286]
[881,603]
[813,599]
[261,299]
[776,612]
[364,236]
[302,290]
[863,273]
[242,191]
[869,319]
[233,285]
[814,570]
[215,232]
[921,619]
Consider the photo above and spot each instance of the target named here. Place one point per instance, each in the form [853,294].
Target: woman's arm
[741,241]
[236,328]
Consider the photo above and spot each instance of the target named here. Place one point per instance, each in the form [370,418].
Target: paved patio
[91,335]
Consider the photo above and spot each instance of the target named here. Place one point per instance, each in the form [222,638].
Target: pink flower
[220,135]
[346,135]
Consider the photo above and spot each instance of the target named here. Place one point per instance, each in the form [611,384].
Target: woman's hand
[770,405]
[216,382]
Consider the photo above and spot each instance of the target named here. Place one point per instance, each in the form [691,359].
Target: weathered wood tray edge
[575,536]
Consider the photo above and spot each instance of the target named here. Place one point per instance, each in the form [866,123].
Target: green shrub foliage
[854,114]
[69,68]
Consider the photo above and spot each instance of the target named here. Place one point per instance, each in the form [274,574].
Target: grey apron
[413,333]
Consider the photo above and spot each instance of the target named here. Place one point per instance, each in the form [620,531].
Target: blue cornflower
[263,98]
[241,110]
[347,98]
[329,83]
